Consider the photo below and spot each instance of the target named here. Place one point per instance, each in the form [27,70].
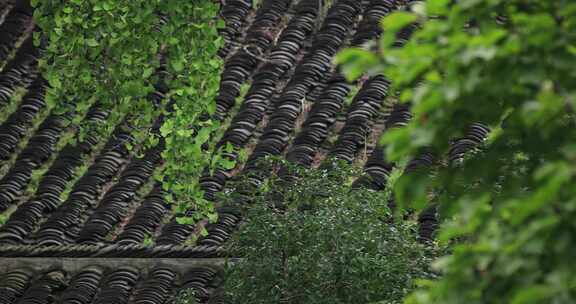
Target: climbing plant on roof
[507,64]
[119,52]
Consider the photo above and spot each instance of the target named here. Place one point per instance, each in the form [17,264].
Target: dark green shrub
[317,241]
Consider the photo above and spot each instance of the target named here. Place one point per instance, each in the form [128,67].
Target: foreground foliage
[509,64]
[316,241]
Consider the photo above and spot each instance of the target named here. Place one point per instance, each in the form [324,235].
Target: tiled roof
[297,105]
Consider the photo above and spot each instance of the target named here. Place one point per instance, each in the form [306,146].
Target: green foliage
[515,202]
[111,51]
[317,241]
[186,296]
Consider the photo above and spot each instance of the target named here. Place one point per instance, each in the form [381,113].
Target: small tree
[318,241]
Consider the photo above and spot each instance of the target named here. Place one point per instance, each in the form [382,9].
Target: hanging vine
[111,52]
